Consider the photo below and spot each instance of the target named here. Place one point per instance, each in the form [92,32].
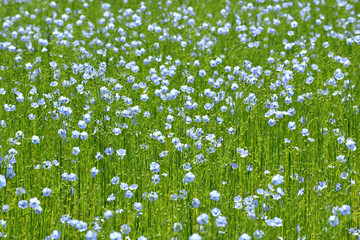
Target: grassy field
[179,119]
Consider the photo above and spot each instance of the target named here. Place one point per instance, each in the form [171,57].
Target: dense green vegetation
[179,119]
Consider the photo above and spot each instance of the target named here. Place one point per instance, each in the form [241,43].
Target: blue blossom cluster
[174,120]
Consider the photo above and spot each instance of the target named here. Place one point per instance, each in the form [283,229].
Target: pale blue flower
[244,236]
[195,236]
[35,140]
[333,221]
[189,177]
[55,234]
[23,204]
[177,227]
[203,219]
[115,236]
[221,221]
[215,195]
[277,179]
[108,214]
[2,181]
[291,125]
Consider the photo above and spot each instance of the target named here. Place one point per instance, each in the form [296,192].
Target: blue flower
[55,234]
[276,222]
[5,208]
[23,204]
[34,203]
[108,214]
[115,180]
[76,151]
[94,171]
[221,221]
[35,140]
[341,158]
[111,198]
[215,195]
[189,177]
[258,234]
[62,133]
[305,132]
[91,235]
[138,206]
[277,179]
[109,151]
[203,219]
[195,202]
[121,153]
[128,194]
[333,221]
[125,229]
[271,122]
[195,236]
[215,212]
[115,236]
[38,210]
[2,181]
[155,178]
[345,210]
[291,125]
[177,227]
[155,167]
[82,124]
[350,144]
[244,236]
